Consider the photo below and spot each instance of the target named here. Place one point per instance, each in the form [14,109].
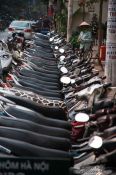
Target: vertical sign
[110,65]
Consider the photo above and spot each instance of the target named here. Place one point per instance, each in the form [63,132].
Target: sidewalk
[95,51]
[98,67]
[96,61]
[3,35]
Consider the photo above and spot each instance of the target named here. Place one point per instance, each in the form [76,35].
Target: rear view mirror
[95,142]
[62,58]
[82,117]
[65,80]
[64,70]
[73,81]
[61,50]
[51,39]
[56,47]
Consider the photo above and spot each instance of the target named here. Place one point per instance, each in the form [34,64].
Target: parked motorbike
[56,104]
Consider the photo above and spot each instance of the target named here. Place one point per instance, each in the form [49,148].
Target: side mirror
[64,70]
[62,57]
[65,80]
[56,47]
[82,117]
[95,142]
[59,41]
[52,32]
[48,34]
[51,39]
[61,50]
[73,81]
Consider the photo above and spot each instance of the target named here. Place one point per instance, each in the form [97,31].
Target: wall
[105,11]
[77,19]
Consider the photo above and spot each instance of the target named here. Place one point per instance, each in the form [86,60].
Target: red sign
[50,11]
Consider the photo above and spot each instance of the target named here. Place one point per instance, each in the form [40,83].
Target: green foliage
[73,39]
[61,17]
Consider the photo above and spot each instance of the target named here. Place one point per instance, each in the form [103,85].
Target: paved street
[3,35]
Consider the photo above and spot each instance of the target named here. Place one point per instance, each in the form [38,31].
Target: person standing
[85,36]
